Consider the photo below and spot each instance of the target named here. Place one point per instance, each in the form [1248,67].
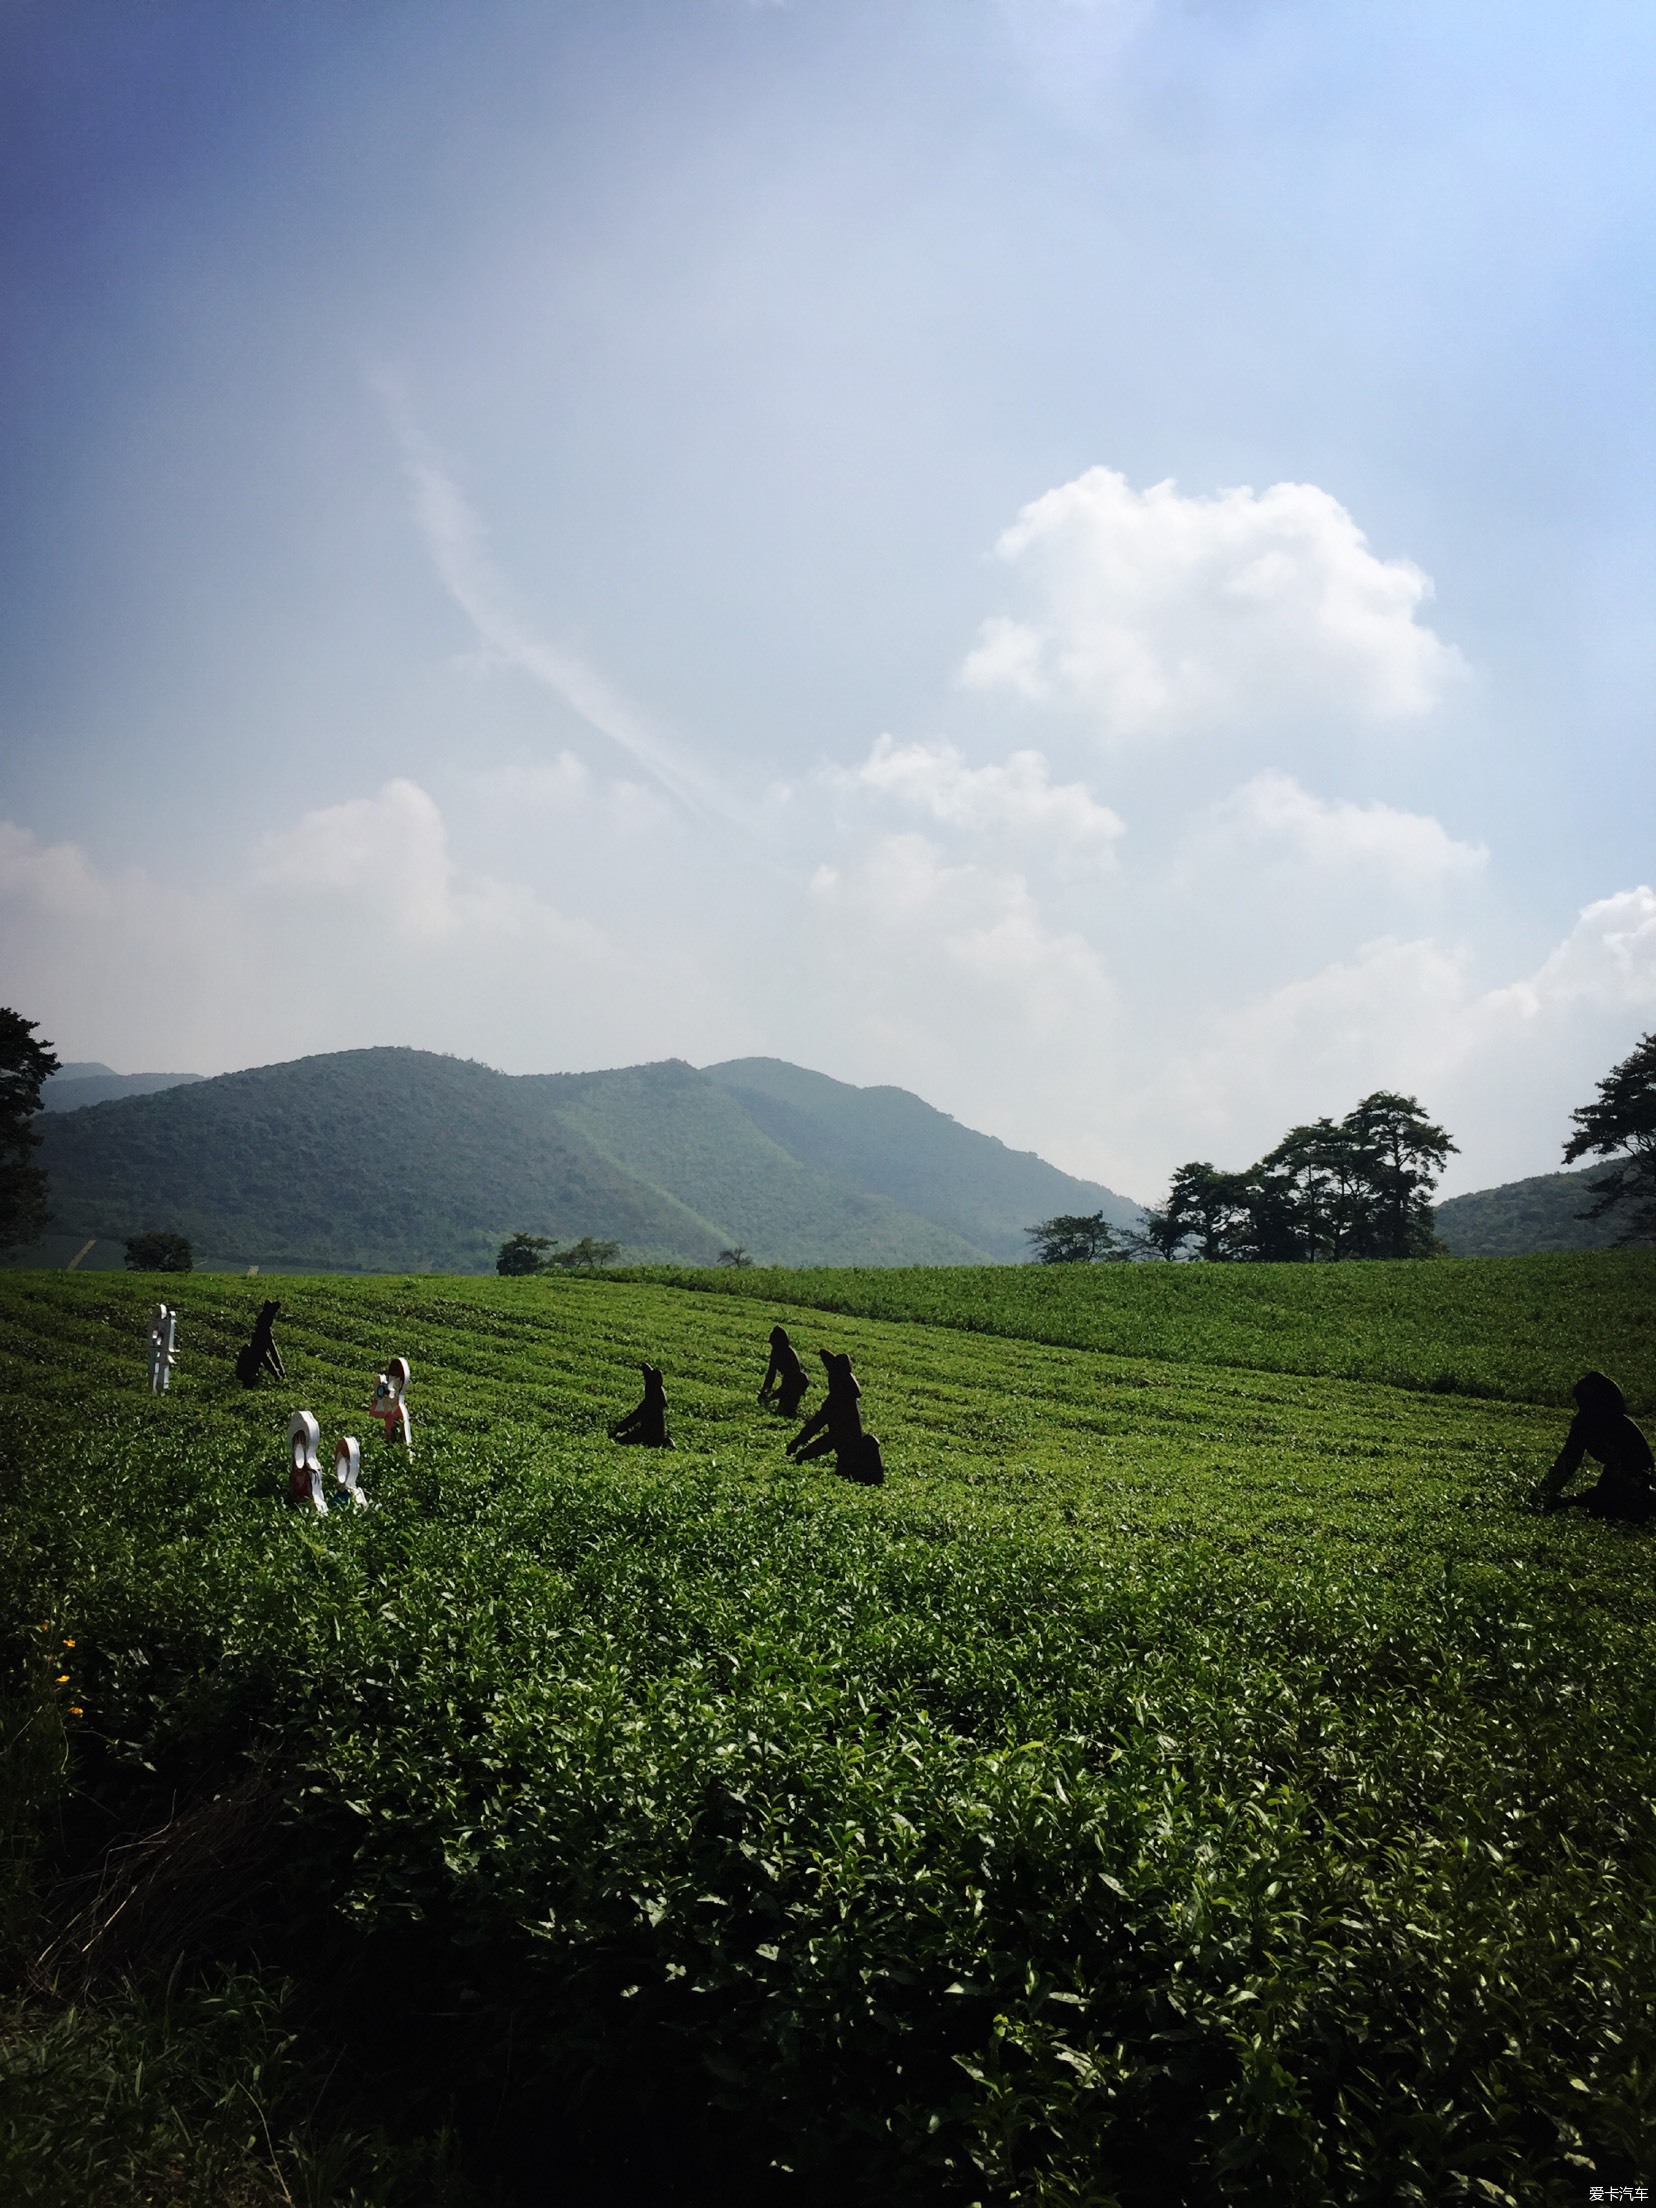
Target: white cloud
[947,979]
[1273,814]
[1607,959]
[1156,613]
[1017,799]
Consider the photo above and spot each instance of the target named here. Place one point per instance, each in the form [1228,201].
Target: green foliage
[885,1142]
[1520,1328]
[1544,1212]
[524,1253]
[1073,1238]
[1620,1123]
[1361,1189]
[585,1256]
[1178,1782]
[25,1065]
[158,1253]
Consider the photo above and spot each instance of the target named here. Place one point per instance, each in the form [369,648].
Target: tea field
[1194,1776]
[1521,1327]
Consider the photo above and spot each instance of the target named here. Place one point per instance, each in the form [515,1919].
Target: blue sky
[1094,561]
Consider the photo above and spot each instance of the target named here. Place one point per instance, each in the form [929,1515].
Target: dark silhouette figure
[1601,1428]
[261,1354]
[836,1424]
[646,1422]
[785,1380]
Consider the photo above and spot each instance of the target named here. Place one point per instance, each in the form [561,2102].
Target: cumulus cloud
[356,925]
[1017,799]
[1608,958]
[1502,1066]
[1274,816]
[947,978]
[1155,613]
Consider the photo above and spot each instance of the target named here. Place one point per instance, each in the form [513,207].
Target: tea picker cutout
[388,1405]
[305,1465]
[1601,1428]
[163,1336]
[261,1354]
[785,1380]
[348,1468]
[837,1425]
[646,1422]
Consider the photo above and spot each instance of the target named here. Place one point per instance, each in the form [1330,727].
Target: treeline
[1359,1187]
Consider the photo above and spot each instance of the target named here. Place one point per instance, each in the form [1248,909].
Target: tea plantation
[1194,1776]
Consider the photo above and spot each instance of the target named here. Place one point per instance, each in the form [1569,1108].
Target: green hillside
[392,1160]
[1179,1783]
[1520,1216]
[673,1126]
[376,1160]
[887,1142]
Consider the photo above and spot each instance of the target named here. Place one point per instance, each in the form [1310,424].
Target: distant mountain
[1523,1216]
[396,1160]
[88,1082]
[887,1142]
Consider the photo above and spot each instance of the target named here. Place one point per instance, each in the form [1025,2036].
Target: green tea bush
[1177,1782]
[1523,1328]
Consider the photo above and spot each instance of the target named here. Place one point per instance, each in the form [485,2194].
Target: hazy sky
[1091,560]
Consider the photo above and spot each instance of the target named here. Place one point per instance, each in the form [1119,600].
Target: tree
[1620,1123]
[1358,1188]
[586,1255]
[524,1253]
[1216,1208]
[1073,1238]
[1401,1154]
[25,1066]
[737,1256]
[159,1253]
[1158,1234]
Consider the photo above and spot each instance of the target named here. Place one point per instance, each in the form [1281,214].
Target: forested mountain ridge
[397,1159]
[1520,1217]
[889,1142]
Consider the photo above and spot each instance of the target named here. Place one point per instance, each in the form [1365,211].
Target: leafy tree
[1158,1235]
[737,1256]
[1073,1238]
[1215,1208]
[159,1253]
[25,1065]
[1402,1154]
[1620,1123]
[524,1253]
[1359,1187]
[586,1255]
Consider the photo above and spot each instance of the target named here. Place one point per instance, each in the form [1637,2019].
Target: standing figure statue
[261,1354]
[785,1379]
[1601,1428]
[163,1348]
[837,1425]
[646,1422]
[388,1405]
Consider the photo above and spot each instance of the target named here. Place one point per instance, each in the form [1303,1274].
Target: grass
[1188,1777]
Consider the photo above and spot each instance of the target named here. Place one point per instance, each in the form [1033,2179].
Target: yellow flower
[75,1710]
[63,1679]
[68,1644]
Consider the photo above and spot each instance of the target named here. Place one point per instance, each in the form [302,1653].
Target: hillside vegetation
[1543,1213]
[403,1160]
[1179,1782]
